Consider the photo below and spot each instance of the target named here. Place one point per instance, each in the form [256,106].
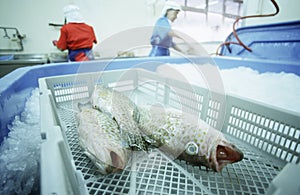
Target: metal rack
[229,8]
[12,34]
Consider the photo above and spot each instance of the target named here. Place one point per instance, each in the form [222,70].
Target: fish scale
[123,111]
[179,135]
[100,139]
[163,126]
[183,136]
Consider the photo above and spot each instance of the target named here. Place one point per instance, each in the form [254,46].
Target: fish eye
[191,148]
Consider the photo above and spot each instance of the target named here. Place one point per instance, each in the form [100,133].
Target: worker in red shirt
[76,36]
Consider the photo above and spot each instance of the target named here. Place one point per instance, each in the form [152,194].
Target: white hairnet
[72,14]
[171,5]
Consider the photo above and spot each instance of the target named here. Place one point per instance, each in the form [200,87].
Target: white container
[268,137]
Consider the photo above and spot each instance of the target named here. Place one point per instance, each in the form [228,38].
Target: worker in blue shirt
[162,36]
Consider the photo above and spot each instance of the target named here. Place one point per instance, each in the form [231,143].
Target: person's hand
[54,42]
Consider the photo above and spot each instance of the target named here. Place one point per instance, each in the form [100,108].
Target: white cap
[72,14]
[171,5]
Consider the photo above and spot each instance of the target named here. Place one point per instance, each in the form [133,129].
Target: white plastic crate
[268,137]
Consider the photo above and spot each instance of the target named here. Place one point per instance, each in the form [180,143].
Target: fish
[124,111]
[177,134]
[183,136]
[99,136]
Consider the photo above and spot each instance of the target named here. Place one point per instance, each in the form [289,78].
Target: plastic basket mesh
[268,138]
[157,174]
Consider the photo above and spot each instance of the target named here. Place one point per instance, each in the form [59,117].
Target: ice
[277,89]
[20,151]
[280,90]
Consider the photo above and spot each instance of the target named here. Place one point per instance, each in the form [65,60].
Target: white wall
[107,17]
[288,11]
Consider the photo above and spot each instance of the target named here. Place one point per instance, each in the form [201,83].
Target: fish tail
[87,104]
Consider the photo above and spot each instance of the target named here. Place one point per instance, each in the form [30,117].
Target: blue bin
[276,42]
[16,86]
[6,57]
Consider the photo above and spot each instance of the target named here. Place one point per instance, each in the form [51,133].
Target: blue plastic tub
[278,41]
[16,86]
[6,57]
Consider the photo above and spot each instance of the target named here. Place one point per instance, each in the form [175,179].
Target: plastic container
[15,87]
[283,184]
[275,42]
[6,57]
[268,137]
[268,148]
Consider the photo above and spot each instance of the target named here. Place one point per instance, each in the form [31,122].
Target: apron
[159,51]
[83,54]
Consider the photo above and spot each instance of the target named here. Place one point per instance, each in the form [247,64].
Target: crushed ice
[20,151]
[280,90]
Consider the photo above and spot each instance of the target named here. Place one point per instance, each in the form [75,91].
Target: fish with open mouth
[121,108]
[185,137]
[180,135]
[100,138]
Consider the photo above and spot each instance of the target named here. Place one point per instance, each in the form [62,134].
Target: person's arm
[94,36]
[173,34]
[61,44]
[177,48]
[174,46]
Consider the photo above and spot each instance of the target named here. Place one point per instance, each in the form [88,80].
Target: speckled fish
[182,137]
[123,111]
[100,138]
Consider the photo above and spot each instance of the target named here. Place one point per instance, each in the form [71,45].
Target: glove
[54,42]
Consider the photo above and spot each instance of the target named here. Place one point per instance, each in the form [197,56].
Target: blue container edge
[27,77]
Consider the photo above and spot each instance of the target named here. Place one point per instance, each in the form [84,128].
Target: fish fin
[90,155]
[207,169]
[82,105]
[136,114]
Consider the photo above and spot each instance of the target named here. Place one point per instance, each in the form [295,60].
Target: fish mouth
[110,162]
[117,161]
[226,153]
